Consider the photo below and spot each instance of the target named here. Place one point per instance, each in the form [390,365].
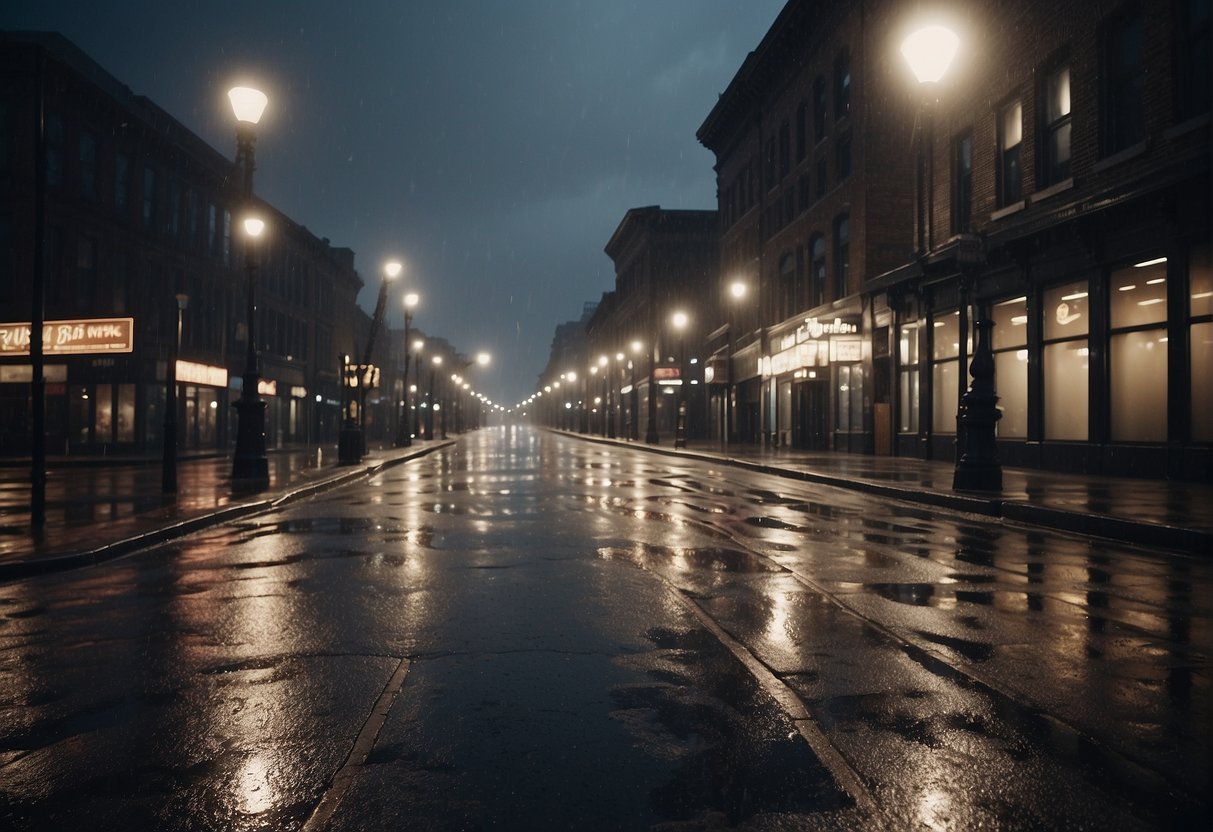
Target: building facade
[1054,183]
[663,258]
[813,188]
[139,211]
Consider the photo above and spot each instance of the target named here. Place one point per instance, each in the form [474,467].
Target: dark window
[1056,133]
[842,85]
[54,150]
[962,183]
[88,166]
[842,256]
[822,180]
[787,285]
[1192,58]
[1124,84]
[149,199]
[174,209]
[86,268]
[785,149]
[211,236]
[805,194]
[8,276]
[191,216]
[1010,143]
[770,166]
[802,131]
[227,238]
[122,180]
[817,270]
[843,150]
[819,109]
[4,136]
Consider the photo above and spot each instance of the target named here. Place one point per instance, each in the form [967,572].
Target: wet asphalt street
[527,631]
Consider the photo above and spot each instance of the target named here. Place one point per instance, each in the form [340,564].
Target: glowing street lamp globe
[929,51]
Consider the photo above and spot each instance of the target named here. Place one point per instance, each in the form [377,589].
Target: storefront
[813,386]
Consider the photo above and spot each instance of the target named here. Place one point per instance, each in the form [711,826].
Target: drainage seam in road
[844,775]
[365,742]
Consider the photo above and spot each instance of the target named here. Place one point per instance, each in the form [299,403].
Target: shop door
[812,419]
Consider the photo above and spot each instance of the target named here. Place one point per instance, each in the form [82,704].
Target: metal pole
[404,432]
[168,467]
[250,469]
[37,500]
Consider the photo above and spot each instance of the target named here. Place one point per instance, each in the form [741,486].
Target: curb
[15,570]
[1186,541]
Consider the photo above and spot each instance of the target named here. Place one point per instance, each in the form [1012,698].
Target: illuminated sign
[666,373]
[75,337]
[267,387]
[190,373]
[298,392]
[846,349]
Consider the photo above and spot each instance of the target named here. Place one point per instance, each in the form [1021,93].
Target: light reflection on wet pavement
[965,673]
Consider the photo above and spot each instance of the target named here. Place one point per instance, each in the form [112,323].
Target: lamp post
[404,427]
[679,320]
[616,397]
[391,270]
[250,469]
[605,410]
[650,432]
[168,467]
[929,52]
[634,396]
[738,289]
[435,363]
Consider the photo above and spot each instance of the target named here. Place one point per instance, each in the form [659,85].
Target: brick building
[138,210]
[813,190]
[663,258]
[1065,162]
[1055,182]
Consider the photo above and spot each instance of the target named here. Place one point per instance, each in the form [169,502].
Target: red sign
[666,373]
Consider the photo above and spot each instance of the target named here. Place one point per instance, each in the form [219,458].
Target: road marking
[846,777]
[363,745]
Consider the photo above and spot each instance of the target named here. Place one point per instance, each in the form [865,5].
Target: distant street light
[168,468]
[404,425]
[250,468]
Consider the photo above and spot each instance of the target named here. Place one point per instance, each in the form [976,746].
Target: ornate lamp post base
[978,468]
[250,468]
[349,445]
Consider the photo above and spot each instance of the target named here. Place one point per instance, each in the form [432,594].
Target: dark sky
[494,146]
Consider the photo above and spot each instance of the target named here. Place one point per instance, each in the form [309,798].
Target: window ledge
[1188,126]
[1131,152]
[1052,190]
[1013,208]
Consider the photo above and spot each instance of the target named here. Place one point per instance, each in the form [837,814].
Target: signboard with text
[75,337]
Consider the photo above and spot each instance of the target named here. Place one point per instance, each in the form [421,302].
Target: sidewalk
[1157,513]
[102,508]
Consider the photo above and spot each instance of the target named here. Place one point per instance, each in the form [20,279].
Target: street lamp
[404,426]
[605,414]
[929,51]
[168,468]
[435,363]
[634,395]
[738,289]
[250,469]
[679,320]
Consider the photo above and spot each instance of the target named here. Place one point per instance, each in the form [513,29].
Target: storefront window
[1009,340]
[908,364]
[104,413]
[1202,388]
[945,369]
[79,415]
[1138,351]
[1200,285]
[126,413]
[1065,361]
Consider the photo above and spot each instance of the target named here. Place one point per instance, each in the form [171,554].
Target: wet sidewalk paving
[1160,513]
[98,508]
